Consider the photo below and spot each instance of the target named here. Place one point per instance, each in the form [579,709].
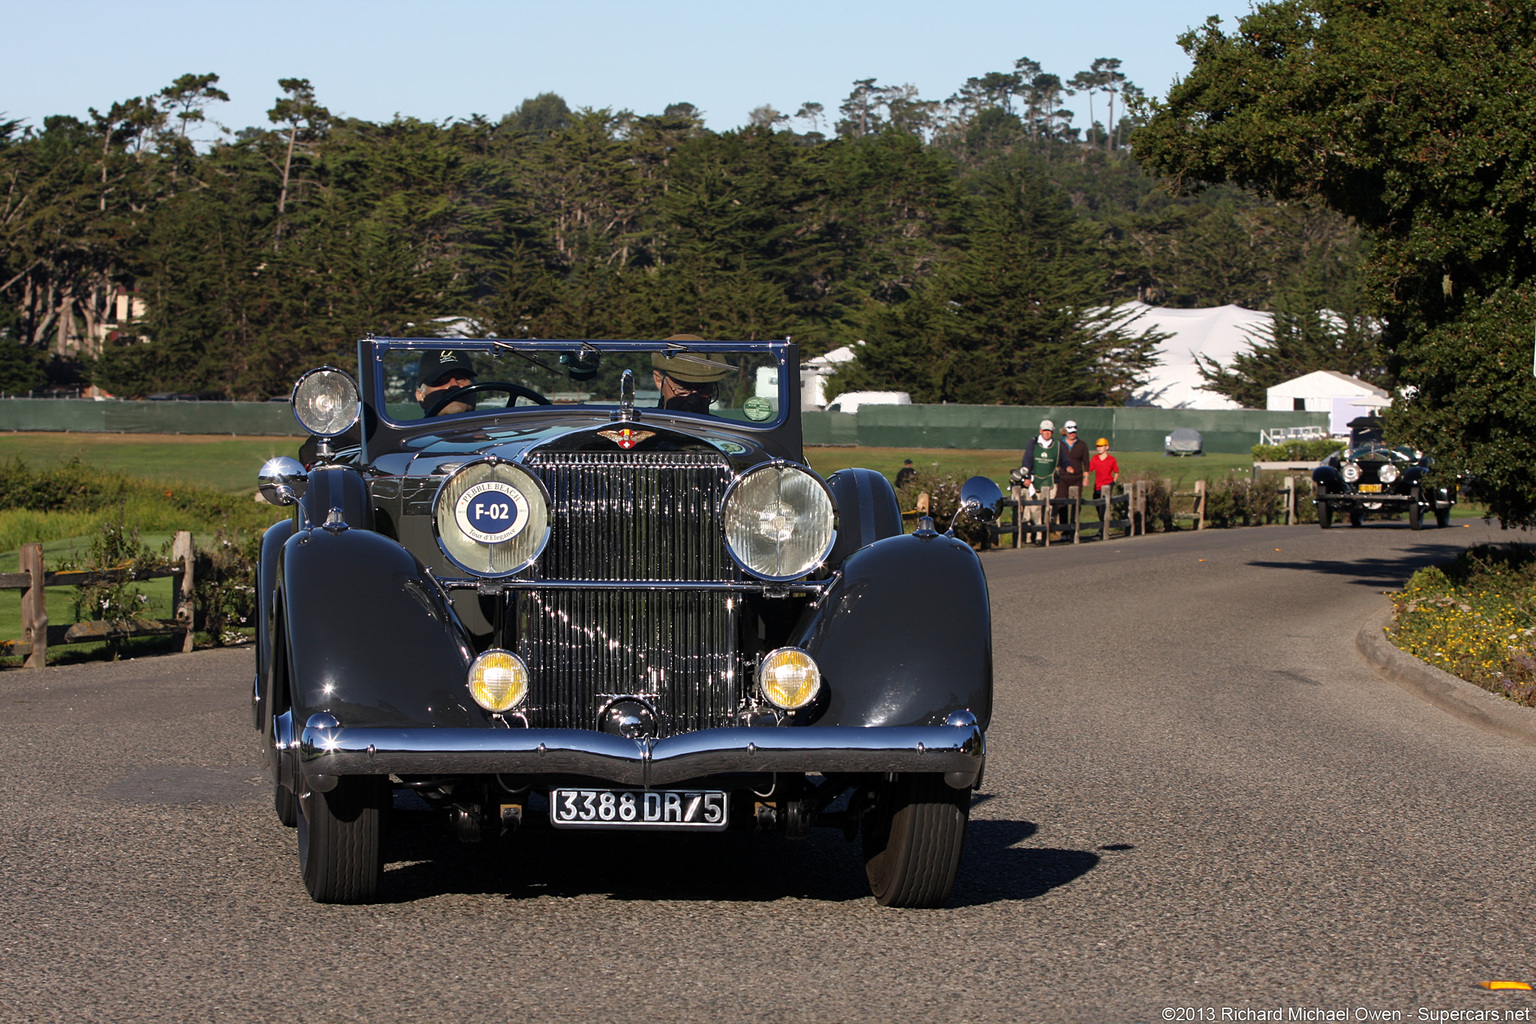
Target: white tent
[1219,333]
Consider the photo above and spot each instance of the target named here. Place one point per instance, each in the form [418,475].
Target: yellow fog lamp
[788,679]
[498,680]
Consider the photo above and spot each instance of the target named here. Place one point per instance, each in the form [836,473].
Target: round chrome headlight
[325,402]
[778,522]
[1387,473]
[1351,472]
[788,678]
[498,680]
[491,518]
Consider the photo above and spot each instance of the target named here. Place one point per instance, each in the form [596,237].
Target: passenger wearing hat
[688,381]
[1071,471]
[439,374]
[905,474]
[1106,470]
[1036,475]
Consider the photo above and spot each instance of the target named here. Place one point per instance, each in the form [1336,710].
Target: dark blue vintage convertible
[595,585]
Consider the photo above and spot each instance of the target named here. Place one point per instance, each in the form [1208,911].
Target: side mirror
[282,480]
[981,499]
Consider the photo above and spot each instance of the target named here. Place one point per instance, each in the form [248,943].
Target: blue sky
[452,58]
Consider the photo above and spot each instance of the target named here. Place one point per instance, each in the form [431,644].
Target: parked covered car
[536,604]
[1183,441]
[1371,478]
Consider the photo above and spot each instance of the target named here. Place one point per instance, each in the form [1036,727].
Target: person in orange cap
[1105,470]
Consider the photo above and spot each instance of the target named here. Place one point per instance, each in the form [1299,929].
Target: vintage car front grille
[646,517]
[675,649]
[634,516]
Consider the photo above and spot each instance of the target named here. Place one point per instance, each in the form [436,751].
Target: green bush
[1297,451]
[71,485]
[224,586]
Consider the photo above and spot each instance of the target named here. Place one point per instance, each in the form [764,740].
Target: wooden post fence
[37,634]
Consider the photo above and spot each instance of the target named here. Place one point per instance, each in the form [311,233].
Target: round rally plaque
[491,512]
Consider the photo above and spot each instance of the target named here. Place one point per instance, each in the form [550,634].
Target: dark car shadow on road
[1378,573]
[994,870]
[423,861]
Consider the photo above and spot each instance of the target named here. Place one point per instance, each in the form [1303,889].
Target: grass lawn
[224,463]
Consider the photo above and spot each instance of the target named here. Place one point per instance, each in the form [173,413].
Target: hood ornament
[626,410]
[626,437]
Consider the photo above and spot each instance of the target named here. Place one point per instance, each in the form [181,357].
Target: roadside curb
[1451,694]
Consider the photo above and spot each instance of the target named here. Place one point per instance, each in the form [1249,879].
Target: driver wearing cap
[440,374]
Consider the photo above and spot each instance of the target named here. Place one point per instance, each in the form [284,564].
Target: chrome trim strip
[809,586]
[959,751]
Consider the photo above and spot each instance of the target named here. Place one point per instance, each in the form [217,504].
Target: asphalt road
[1201,803]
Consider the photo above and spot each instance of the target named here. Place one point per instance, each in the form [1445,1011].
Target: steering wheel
[514,391]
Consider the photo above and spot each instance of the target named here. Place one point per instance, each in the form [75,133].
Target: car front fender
[904,635]
[373,639]
[266,589]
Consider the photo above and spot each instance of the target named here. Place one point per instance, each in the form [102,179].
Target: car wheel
[339,835]
[1415,509]
[1324,515]
[1357,518]
[1442,515]
[913,834]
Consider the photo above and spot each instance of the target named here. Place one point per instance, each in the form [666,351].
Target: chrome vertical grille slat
[644,517]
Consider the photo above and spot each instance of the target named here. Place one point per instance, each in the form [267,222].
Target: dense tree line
[972,243]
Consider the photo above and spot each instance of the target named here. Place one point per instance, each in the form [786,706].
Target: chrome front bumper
[327,751]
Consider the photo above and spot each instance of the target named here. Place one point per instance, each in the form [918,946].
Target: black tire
[1357,519]
[286,805]
[1442,515]
[1415,509]
[913,835]
[1325,515]
[339,835]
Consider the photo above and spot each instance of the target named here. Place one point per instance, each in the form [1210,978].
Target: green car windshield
[730,382]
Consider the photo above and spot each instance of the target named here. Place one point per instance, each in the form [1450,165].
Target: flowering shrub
[943,490]
[1475,618]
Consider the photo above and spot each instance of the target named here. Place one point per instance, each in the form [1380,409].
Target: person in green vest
[1036,475]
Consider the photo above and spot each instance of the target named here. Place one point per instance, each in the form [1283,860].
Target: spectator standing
[1106,471]
[1036,474]
[905,474]
[1071,471]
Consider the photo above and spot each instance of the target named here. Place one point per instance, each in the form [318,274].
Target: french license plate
[1370,488]
[637,808]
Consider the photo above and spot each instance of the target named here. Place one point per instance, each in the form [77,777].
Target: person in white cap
[1071,470]
[1036,475]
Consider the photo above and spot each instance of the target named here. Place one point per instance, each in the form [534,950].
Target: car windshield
[1378,450]
[739,382]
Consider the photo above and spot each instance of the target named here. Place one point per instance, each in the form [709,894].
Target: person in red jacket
[1105,472]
